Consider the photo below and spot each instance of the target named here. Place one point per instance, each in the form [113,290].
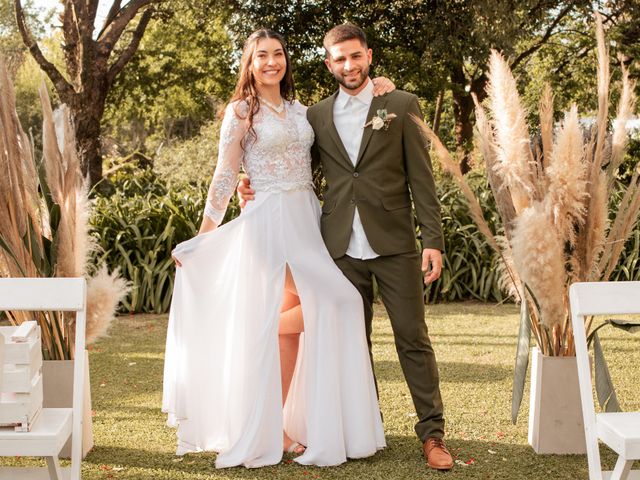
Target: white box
[21,389]
[20,353]
[20,408]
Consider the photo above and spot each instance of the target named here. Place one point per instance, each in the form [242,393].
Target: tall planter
[555,413]
[57,378]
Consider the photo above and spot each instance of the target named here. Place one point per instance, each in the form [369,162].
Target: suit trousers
[400,280]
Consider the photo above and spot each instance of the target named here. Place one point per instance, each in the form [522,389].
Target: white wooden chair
[619,430]
[55,425]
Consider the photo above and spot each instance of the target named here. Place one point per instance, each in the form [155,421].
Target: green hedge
[139,225]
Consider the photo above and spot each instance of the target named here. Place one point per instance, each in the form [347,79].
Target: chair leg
[54,468]
[622,469]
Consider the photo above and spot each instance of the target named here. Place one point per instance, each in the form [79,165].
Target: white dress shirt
[349,117]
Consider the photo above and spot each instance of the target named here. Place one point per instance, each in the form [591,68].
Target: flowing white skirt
[222,386]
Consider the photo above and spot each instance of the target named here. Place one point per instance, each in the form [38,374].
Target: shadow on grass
[432,333]
[401,459]
[451,372]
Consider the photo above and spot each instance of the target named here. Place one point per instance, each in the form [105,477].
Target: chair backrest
[596,298]
[602,298]
[60,294]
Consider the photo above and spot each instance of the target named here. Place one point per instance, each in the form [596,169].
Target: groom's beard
[353,84]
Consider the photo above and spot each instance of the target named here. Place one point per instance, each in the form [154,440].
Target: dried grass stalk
[615,233]
[558,195]
[620,137]
[52,157]
[538,254]
[546,125]
[513,155]
[85,244]
[485,138]
[566,176]
[625,222]
[508,277]
[598,224]
[453,168]
[18,198]
[23,210]
[603,99]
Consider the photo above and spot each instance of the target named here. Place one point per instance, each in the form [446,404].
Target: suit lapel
[377,103]
[330,127]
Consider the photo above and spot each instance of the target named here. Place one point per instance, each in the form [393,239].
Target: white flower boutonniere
[382,119]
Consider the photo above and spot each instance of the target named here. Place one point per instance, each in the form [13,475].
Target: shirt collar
[365,95]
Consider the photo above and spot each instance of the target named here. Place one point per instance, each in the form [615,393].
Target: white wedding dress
[222,386]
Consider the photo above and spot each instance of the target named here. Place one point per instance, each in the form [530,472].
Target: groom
[372,173]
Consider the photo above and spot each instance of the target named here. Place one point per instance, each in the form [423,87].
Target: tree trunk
[463,108]
[87,108]
[88,142]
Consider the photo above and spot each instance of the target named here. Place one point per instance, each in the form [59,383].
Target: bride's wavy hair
[246,87]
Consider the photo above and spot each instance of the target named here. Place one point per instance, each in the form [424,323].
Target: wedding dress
[222,387]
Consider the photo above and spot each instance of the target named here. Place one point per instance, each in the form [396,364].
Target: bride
[223,388]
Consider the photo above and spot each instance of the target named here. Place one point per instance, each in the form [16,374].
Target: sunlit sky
[47,5]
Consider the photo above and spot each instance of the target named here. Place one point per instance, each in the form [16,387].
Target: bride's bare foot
[291,446]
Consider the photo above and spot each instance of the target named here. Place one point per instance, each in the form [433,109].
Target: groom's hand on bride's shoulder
[382,86]
[245,192]
[431,264]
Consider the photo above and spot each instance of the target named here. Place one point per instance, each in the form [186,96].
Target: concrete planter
[58,393]
[555,412]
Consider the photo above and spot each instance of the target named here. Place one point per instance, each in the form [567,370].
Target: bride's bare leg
[290,327]
[289,338]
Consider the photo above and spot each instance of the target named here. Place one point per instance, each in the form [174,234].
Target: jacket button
[352,201]
[355,174]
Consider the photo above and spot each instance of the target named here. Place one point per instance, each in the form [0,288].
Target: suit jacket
[393,167]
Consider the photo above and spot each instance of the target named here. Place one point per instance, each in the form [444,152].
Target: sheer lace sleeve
[225,176]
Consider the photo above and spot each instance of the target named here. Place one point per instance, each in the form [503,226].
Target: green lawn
[475,348]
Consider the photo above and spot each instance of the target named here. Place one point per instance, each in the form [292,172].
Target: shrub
[139,225]
[191,161]
[469,263]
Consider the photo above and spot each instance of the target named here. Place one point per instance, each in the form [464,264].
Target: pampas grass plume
[567,178]
[625,112]
[104,293]
[539,259]
[546,124]
[513,155]
[599,223]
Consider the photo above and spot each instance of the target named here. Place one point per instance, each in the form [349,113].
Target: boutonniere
[382,119]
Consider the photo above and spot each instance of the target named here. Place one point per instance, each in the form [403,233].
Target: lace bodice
[278,160]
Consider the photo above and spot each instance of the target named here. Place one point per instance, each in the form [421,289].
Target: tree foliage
[426,47]
[183,71]
[11,46]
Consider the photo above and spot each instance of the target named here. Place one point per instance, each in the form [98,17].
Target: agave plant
[553,199]
[44,211]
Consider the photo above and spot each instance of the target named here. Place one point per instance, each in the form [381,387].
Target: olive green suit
[393,168]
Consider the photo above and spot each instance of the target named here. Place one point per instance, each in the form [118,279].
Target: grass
[475,348]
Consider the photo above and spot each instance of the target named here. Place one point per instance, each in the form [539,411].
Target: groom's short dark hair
[342,33]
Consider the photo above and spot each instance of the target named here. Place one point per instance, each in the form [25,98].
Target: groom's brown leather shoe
[437,455]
